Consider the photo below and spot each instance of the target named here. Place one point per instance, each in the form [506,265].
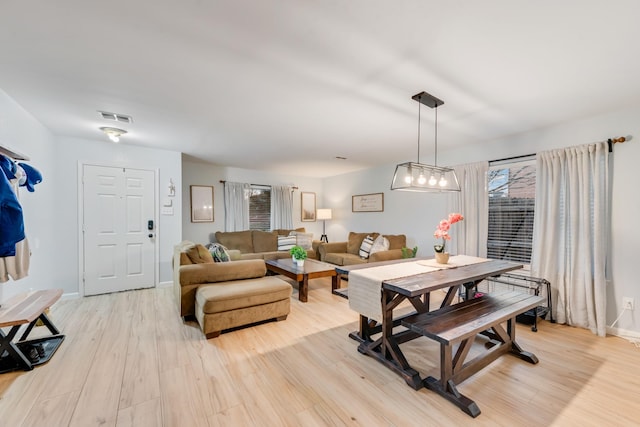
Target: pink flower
[442,232]
[444,225]
[455,217]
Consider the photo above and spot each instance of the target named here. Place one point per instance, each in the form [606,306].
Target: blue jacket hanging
[11,219]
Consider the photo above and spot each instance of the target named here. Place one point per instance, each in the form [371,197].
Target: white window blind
[512,188]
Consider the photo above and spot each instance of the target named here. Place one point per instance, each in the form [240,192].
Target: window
[512,190]
[260,208]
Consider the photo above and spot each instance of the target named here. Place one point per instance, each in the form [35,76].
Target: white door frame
[156,194]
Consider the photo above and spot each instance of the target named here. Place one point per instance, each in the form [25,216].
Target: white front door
[119,246]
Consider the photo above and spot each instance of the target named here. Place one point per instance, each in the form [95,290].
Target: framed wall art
[201,203]
[367,202]
[308,206]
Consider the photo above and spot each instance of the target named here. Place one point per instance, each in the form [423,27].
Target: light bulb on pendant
[422,179]
[442,182]
[432,180]
[407,179]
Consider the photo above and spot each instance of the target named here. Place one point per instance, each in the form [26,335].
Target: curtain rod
[610,141]
[263,185]
[511,158]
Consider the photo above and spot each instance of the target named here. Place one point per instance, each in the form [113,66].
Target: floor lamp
[323,214]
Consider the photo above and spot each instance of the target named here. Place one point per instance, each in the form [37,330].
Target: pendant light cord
[419,130]
[435,159]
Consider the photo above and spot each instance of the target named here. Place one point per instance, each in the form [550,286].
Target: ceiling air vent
[122,118]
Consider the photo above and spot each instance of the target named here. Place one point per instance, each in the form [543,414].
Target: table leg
[386,349]
[303,288]
[335,282]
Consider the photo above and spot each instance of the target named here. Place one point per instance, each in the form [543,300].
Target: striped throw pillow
[286,242]
[365,247]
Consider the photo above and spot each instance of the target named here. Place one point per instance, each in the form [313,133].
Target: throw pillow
[286,242]
[219,253]
[199,254]
[354,241]
[303,239]
[380,244]
[365,247]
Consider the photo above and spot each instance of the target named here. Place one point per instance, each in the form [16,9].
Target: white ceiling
[289,85]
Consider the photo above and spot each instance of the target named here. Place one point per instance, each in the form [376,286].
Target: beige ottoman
[226,305]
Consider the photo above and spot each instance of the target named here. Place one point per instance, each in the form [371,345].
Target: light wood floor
[129,360]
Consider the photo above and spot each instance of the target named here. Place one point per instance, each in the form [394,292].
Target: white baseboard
[165,284]
[624,333]
[70,295]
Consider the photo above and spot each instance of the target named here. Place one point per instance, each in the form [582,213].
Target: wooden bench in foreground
[460,324]
[27,309]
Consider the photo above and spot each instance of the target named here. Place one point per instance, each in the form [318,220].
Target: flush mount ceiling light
[114,134]
[416,176]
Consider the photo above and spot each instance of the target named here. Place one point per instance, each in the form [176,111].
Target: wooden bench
[27,309]
[459,325]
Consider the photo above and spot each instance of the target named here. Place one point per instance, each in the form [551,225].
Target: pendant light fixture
[416,176]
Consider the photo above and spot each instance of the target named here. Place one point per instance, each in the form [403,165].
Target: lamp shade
[323,214]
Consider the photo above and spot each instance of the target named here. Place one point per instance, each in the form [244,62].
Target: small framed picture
[367,202]
[308,206]
[201,203]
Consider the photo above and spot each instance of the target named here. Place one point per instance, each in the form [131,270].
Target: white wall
[413,214]
[417,214]
[197,173]
[22,132]
[72,151]
[51,212]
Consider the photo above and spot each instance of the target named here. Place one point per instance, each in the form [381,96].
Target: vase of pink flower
[442,232]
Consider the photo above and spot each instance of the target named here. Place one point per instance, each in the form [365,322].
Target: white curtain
[236,206]
[281,207]
[571,232]
[469,237]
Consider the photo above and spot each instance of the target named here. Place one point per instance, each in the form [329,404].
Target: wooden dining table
[417,289]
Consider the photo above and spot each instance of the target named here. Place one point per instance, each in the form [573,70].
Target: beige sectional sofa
[225,295]
[347,253]
[255,244]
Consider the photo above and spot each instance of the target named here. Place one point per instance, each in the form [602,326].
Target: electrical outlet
[627,303]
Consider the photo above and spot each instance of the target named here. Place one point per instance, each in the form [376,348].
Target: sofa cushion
[365,247]
[344,259]
[217,298]
[184,259]
[240,240]
[198,254]
[264,241]
[196,274]
[286,242]
[355,241]
[286,232]
[398,241]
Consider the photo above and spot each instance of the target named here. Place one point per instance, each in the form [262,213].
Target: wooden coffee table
[311,269]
